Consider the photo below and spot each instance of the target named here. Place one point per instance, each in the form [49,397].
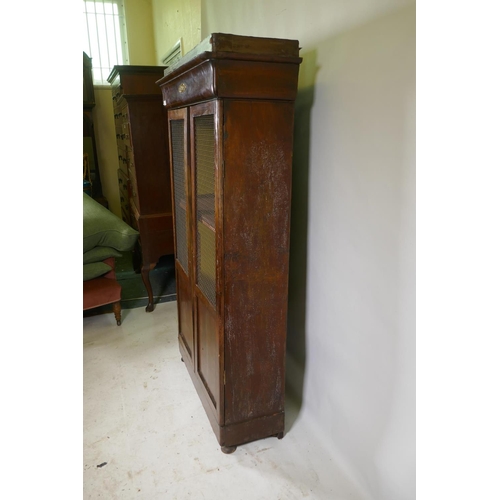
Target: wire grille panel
[205,204]
[178,162]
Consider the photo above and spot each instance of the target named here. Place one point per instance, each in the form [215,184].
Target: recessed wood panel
[207,348]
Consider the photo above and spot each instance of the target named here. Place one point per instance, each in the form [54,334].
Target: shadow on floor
[134,292]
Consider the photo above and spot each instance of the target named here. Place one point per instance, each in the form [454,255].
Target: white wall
[140,33]
[352,273]
[107,151]
[173,20]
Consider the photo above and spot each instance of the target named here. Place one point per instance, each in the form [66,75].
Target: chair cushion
[103,228]
[98,254]
[95,269]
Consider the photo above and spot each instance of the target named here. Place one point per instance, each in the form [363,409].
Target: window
[104,37]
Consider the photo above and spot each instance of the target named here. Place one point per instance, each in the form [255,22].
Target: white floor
[143,420]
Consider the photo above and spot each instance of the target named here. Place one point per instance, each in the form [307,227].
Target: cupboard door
[178,139]
[203,119]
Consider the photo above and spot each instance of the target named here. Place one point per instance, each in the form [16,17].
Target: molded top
[224,45]
[130,68]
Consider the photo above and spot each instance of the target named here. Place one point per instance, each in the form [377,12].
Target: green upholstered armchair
[104,237]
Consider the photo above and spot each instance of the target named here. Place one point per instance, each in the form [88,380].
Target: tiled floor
[146,435]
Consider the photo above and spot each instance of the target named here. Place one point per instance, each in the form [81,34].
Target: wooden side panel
[157,236]
[148,135]
[257,190]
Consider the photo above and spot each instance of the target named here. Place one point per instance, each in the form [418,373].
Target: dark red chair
[104,290]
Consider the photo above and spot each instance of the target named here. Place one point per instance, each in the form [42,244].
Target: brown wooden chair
[104,290]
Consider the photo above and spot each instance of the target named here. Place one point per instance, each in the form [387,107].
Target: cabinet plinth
[230,116]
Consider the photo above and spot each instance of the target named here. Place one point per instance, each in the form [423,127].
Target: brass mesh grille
[177,134]
[205,204]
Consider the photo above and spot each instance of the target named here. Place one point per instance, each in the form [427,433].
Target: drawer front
[123,182]
[122,159]
[122,126]
[124,195]
[134,217]
[125,206]
[123,136]
[134,192]
[121,117]
[195,85]
[116,92]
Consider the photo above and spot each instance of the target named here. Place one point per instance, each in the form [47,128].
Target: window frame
[101,82]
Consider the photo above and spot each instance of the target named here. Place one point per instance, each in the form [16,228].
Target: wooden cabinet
[230,117]
[89,142]
[144,173]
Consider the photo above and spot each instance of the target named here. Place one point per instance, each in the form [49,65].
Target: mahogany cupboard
[230,106]
[143,173]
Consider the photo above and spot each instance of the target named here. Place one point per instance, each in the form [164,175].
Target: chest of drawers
[143,173]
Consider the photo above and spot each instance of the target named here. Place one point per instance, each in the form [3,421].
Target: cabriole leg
[147,283]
